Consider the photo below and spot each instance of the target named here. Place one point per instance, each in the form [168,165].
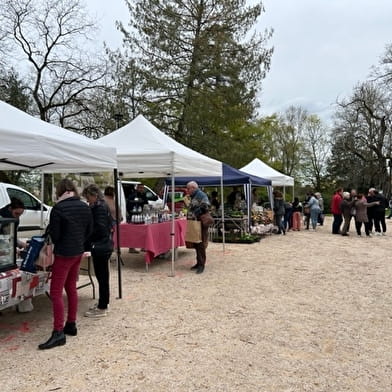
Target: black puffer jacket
[102,223]
[70,225]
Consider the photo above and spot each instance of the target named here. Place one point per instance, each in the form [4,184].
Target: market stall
[259,168]
[143,151]
[29,143]
[153,238]
[230,221]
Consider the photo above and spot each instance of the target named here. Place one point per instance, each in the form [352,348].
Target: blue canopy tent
[230,177]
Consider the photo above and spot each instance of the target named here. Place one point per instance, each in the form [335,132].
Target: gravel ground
[309,311]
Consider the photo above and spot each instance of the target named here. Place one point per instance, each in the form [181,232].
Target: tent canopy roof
[143,151]
[28,142]
[231,176]
[259,168]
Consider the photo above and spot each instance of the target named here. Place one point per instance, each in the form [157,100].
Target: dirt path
[309,311]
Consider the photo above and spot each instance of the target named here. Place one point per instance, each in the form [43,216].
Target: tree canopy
[200,65]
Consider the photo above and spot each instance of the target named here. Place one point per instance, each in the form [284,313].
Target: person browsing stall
[111,203]
[15,210]
[198,206]
[70,226]
[101,245]
[215,203]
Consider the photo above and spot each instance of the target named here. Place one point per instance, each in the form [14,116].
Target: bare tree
[363,129]
[316,140]
[49,40]
[383,71]
[288,138]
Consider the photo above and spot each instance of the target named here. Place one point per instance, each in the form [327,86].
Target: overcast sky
[323,48]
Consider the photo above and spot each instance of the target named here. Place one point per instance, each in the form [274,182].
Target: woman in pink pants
[297,211]
[69,227]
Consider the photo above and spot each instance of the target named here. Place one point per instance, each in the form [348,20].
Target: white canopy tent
[143,151]
[261,169]
[30,143]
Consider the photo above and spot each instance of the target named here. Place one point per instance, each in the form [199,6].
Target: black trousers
[202,246]
[358,226]
[379,221]
[337,221]
[101,268]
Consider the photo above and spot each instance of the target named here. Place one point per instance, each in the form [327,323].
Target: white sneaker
[384,233]
[95,306]
[96,313]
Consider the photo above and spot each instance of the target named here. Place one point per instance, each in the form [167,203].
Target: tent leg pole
[119,260]
[173,224]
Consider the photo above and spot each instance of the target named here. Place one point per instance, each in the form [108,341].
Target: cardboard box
[25,286]
[43,285]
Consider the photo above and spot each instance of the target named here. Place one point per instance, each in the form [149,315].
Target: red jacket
[335,204]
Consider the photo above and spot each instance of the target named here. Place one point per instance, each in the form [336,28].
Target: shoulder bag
[193,231]
[46,257]
[206,219]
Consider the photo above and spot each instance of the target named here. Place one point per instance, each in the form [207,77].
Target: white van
[30,222]
[128,186]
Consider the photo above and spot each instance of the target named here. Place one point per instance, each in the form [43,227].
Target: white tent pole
[223,215]
[173,226]
[249,205]
[42,201]
[117,183]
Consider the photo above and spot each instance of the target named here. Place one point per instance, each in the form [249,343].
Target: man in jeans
[336,211]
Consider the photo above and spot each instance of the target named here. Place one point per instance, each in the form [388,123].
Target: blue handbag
[31,254]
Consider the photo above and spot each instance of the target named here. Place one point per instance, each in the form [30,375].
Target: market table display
[17,285]
[154,238]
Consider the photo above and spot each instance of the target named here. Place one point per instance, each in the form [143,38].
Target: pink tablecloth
[154,238]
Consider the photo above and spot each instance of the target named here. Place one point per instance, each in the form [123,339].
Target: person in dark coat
[215,203]
[371,211]
[70,225]
[279,211]
[379,213]
[14,210]
[137,199]
[101,245]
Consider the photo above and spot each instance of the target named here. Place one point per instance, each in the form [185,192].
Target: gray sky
[323,48]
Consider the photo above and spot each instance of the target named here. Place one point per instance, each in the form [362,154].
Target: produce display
[236,226]
[264,217]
